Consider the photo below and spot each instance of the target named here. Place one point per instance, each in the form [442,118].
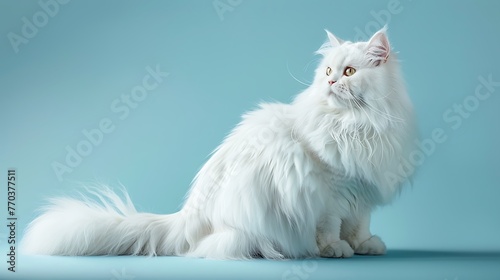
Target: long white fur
[290,181]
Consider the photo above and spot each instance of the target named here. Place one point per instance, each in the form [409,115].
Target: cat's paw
[338,249]
[372,246]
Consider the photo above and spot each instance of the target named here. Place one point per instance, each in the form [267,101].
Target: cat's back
[269,123]
[267,112]
[262,134]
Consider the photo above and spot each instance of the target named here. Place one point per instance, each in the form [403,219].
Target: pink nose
[331,82]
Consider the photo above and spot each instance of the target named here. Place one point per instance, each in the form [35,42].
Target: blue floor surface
[397,264]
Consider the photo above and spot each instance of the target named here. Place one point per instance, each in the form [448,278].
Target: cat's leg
[233,244]
[328,238]
[357,233]
[223,244]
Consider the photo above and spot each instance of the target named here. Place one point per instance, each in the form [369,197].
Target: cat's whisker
[386,115]
[295,78]
[378,135]
[361,108]
[309,63]
[367,115]
[355,137]
[362,102]
[380,98]
[383,149]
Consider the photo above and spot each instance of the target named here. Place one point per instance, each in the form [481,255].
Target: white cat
[290,181]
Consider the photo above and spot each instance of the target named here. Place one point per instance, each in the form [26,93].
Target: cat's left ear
[378,47]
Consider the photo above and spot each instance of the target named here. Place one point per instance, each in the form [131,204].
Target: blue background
[221,64]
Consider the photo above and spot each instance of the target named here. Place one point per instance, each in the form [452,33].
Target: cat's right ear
[331,42]
[334,41]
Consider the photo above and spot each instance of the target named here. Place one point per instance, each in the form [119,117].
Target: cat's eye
[328,71]
[349,71]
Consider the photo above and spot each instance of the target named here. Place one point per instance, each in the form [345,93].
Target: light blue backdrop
[81,64]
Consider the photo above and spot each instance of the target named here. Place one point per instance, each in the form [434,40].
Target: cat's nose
[331,82]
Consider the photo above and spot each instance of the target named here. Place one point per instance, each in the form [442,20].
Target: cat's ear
[331,42]
[334,41]
[378,48]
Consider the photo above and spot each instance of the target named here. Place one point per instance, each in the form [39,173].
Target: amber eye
[328,71]
[349,71]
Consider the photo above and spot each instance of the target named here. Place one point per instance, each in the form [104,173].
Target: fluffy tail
[107,225]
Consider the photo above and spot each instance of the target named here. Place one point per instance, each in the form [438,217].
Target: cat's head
[358,75]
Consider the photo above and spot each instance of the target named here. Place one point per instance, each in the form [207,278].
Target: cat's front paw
[338,249]
[372,246]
